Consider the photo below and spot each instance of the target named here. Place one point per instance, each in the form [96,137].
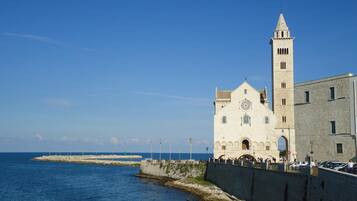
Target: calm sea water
[22,179]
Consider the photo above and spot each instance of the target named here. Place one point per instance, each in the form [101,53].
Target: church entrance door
[283,148]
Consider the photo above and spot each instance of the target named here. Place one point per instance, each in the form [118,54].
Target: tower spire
[281,25]
[281,30]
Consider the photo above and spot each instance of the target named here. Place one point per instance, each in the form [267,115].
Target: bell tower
[283,84]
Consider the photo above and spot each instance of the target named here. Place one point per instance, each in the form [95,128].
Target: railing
[280,167]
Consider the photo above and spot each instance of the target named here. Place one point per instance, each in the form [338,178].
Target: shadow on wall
[252,184]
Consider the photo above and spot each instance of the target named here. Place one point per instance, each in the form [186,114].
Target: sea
[23,179]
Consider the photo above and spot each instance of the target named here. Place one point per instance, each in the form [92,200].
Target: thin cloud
[134,140]
[114,140]
[38,136]
[186,98]
[59,103]
[44,39]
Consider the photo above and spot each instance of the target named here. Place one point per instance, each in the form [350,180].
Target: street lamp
[311,151]
[207,151]
[190,141]
[160,149]
[151,149]
[170,152]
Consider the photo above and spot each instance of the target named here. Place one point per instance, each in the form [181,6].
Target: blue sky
[110,75]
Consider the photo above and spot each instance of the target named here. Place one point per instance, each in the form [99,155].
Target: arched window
[245,145]
[224,119]
[246,119]
[287,50]
[266,119]
[282,34]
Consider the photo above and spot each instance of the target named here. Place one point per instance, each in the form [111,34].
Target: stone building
[322,111]
[325,118]
[244,124]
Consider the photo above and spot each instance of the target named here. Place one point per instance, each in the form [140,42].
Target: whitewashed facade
[243,122]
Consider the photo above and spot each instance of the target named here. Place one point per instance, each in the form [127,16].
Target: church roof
[223,94]
[281,25]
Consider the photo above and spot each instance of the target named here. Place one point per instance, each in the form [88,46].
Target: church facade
[244,125]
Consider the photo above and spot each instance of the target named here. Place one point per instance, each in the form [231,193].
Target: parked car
[299,164]
[340,167]
[322,164]
[330,164]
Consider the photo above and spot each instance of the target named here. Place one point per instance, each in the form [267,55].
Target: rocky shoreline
[92,159]
[180,175]
[204,190]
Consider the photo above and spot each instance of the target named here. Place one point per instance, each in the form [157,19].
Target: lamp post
[160,150]
[179,154]
[170,152]
[311,151]
[207,152]
[151,149]
[190,141]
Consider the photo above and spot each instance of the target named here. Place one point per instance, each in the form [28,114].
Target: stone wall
[312,119]
[173,169]
[253,184]
[332,185]
[257,184]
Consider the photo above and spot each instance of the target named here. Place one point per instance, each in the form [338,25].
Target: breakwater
[93,159]
[173,169]
[254,184]
[186,175]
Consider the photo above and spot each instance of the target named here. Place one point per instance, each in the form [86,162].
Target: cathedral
[244,125]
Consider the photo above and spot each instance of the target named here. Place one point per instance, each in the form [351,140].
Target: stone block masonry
[257,184]
[173,169]
[253,184]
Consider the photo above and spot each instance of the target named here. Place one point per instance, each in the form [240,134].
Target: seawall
[185,175]
[254,184]
[93,159]
[173,169]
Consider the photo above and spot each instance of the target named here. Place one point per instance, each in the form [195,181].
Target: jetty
[93,159]
[187,175]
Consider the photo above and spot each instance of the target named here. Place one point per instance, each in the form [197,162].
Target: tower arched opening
[283,147]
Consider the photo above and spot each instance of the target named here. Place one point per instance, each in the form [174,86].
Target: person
[350,166]
[312,164]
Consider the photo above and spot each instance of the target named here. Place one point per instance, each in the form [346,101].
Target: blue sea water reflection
[24,179]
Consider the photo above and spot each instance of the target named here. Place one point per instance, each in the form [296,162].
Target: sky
[122,75]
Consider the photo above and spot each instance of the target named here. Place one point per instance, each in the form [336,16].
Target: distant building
[243,123]
[325,118]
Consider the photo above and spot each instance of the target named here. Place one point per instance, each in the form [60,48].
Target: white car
[299,164]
